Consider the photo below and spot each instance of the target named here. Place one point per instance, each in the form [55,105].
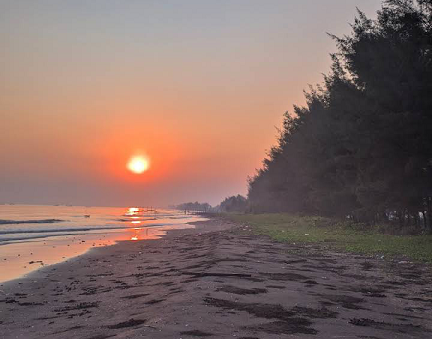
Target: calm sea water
[35,236]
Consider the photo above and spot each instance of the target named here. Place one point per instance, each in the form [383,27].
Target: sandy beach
[219,281]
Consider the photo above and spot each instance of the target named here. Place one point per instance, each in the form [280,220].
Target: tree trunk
[416,220]
[429,215]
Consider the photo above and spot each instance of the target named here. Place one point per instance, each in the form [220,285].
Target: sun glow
[138,164]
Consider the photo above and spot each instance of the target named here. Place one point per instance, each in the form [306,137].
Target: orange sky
[198,87]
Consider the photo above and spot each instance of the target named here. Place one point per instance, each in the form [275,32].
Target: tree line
[194,207]
[235,203]
[361,148]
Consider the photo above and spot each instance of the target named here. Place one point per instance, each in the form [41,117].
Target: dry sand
[219,281]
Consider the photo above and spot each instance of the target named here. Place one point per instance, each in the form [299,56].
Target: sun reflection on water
[132,211]
[136,215]
[141,234]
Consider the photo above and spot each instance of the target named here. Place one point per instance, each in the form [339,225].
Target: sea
[33,236]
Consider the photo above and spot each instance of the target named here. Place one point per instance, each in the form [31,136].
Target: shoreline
[23,258]
[41,272]
[218,280]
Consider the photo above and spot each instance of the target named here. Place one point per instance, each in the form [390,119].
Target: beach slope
[220,281]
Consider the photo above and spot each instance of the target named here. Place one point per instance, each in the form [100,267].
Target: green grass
[337,234]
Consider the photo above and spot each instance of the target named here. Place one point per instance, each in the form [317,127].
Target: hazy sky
[198,86]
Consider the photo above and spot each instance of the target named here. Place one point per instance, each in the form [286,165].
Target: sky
[198,87]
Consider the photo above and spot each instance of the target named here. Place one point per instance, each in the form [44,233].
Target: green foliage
[234,204]
[336,234]
[362,145]
[194,206]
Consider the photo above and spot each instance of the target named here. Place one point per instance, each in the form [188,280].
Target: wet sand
[219,281]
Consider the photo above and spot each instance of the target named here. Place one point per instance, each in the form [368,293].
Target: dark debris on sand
[128,323]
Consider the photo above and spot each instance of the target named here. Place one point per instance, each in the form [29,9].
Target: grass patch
[336,234]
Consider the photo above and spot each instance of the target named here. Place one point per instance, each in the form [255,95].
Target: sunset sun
[138,164]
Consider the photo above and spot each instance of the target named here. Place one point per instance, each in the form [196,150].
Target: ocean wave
[77,229]
[37,221]
[58,230]
[140,219]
